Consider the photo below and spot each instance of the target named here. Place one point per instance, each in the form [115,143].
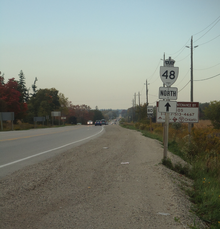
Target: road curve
[22,148]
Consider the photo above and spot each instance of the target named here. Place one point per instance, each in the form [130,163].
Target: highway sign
[167,106]
[168,93]
[150,110]
[169,75]
[149,115]
[186,112]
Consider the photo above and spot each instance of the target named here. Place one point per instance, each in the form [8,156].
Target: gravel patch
[89,187]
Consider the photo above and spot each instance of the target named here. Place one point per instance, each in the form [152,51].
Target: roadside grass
[201,150]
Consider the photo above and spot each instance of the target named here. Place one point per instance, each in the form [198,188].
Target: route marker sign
[150,110]
[167,106]
[169,75]
[168,93]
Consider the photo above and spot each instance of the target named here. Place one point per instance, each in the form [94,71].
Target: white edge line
[35,155]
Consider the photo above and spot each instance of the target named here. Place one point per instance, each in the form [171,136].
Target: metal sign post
[168,75]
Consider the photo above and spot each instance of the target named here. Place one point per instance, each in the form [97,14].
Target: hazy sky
[101,52]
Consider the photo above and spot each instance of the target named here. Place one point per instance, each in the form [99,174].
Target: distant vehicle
[89,122]
[103,122]
[79,123]
[98,123]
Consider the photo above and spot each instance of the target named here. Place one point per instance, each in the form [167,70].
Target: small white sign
[168,93]
[55,113]
[167,106]
[169,75]
[150,110]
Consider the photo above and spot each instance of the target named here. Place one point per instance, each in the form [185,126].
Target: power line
[207,68]
[207,26]
[198,80]
[184,86]
[155,70]
[180,49]
[184,77]
[207,31]
[209,40]
[183,58]
[208,78]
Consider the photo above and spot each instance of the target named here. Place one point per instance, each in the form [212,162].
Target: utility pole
[132,110]
[191,91]
[139,99]
[191,95]
[134,99]
[146,93]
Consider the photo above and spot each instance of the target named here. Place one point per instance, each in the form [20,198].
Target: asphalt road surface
[114,181]
[22,148]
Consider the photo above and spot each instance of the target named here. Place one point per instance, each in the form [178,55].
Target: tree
[42,103]
[10,99]
[22,88]
[97,115]
[202,107]
[64,104]
[34,87]
[212,112]
[79,113]
[2,79]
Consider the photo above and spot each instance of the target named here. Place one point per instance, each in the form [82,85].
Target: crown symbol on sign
[169,62]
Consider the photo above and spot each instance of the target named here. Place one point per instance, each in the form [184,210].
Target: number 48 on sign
[169,75]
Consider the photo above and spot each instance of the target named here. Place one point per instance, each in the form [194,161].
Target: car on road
[89,122]
[98,123]
[103,122]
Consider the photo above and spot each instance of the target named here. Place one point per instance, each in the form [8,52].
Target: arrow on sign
[167,107]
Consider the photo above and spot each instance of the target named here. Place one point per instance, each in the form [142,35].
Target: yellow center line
[11,139]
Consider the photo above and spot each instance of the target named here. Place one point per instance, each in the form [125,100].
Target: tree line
[15,97]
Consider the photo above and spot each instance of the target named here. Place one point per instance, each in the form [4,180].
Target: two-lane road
[21,148]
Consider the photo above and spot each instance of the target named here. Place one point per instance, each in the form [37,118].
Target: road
[22,148]
[114,181]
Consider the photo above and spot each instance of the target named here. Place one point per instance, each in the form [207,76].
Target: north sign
[168,93]
[169,75]
[167,106]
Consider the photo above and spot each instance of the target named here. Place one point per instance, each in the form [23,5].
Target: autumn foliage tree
[79,113]
[10,98]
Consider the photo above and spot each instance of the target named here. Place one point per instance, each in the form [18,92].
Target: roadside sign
[186,112]
[167,106]
[149,115]
[169,75]
[150,110]
[168,93]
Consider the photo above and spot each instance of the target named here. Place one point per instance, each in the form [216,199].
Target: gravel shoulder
[88,187]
